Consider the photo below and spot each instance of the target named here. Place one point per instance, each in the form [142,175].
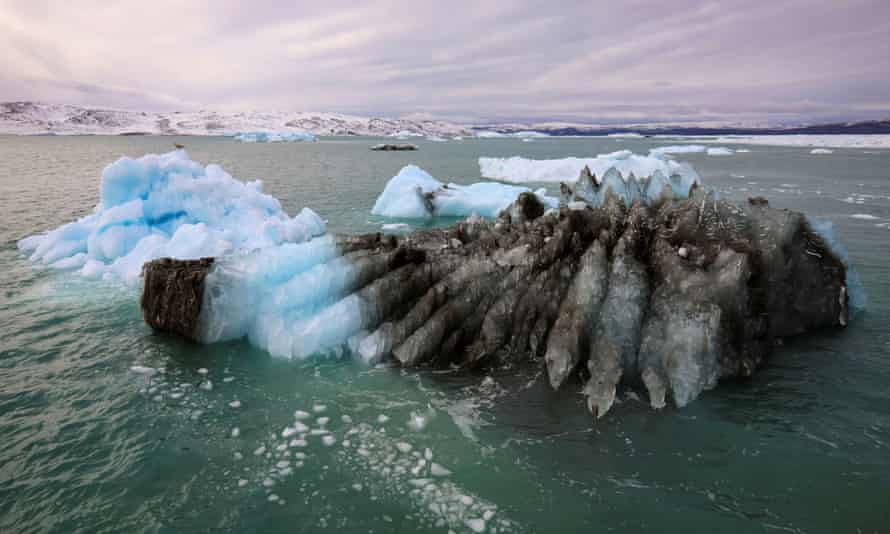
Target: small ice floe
[318,408]
[242,482]
[404,447]
[143,370]
[207,385]
[476,525]
[417,422]
[397,227]
[228,379]
[236,432]
[438,471]
[235,404]
[864,217]
[300,415]
[322,421]
[328,440]
[382,418]
[202,371]
[821,151]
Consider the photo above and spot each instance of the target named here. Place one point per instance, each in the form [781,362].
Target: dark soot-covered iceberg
[645,290]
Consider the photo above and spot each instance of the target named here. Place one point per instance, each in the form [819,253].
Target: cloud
[686,60]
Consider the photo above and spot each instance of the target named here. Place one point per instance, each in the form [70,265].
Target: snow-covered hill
[39,118]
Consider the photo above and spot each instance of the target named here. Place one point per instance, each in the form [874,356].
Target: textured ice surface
[521,170]
[273,137]
[168,206]
[413,193]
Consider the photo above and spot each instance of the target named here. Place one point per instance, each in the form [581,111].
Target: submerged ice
[414,194]
[166,205]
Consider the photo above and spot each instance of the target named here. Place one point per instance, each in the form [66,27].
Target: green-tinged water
[88,445]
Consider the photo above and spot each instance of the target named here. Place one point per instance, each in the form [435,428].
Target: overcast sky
[590,61]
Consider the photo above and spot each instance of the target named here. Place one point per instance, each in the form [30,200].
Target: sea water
[106,426]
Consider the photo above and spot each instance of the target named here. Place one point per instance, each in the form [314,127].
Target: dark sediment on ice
[172,293]
[671,298]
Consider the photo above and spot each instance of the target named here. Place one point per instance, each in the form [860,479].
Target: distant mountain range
[40,118]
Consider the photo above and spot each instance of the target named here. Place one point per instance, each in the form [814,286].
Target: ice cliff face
[38,118]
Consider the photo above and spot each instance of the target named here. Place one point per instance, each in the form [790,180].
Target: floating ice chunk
[235,403]
[413,193]
[300,414]
[864,216]
[476,525]
[322,421]
[273,137]
[168,206]
[382,418]
[202,371]
[142,370]
[318,408]
[821,151]
[521,170]
[677,149]
[397,227]
[236,432]
[438,471]
[328,440]
[403,447]
[719,151]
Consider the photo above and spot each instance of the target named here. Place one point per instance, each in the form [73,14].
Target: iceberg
[691,149]
[274,137]
[168,206]
[414,194]
[521,170]
[671,299]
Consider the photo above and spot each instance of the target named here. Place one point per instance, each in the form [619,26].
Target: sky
[602,62]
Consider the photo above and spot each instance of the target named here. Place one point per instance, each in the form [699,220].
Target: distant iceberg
[821,151]
[168,206]
[524,134]
[522,170]
[691,149]
[274,137]
[414,194]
